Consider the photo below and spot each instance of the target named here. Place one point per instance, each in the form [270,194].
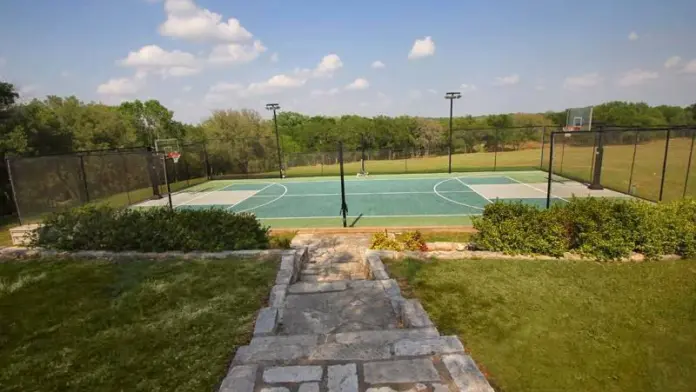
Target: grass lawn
[126,326]
[6,223]
[565,326]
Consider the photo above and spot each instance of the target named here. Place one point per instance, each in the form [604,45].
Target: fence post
[84,178]
[495,149]
[166,180]
[14,192]
[664,164]
[543,141]
[562,154]
[208,171]
[599,156]
[125,171]
[548,185]
[633,163]
[688,167]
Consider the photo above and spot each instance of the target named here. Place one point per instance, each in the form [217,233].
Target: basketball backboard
[579,119]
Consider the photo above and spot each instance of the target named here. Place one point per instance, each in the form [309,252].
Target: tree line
[240,140]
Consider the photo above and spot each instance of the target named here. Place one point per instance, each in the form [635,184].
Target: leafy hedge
[598,228]
[409,240]
[151,230]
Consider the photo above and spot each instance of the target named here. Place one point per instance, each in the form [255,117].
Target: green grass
[566,326]
[126,326]
[6,223]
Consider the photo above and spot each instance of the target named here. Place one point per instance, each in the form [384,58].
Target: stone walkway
[336,322]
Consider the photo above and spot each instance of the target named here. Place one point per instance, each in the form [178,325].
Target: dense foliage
[409,240]
[597,228]
[151,230]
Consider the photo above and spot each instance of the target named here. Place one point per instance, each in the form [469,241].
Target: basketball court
[389,200]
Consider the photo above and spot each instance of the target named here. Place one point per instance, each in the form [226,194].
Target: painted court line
[362,194]
[450,200]
[265,204]
[259,191]
[474,190]
[199,196]
[536,189]
[368,216]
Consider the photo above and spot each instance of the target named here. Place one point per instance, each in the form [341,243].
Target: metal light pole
[451,96]
[274,107]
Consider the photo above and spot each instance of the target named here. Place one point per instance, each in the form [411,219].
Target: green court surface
[396,200]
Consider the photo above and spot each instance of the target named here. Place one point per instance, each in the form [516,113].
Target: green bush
[151,230]
[409,240]
[597,228]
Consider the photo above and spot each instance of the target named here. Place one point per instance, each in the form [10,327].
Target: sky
[391,57]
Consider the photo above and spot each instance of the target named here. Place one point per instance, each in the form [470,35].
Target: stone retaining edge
[18,252]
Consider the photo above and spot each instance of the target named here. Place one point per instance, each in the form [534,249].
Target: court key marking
[450,200]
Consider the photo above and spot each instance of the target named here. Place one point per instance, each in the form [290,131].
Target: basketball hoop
[174,156]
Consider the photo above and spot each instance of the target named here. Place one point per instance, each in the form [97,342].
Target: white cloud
[358,84]
[236,53]
[672,62]
[507,80]
[152,58]
[328,65]
[582,81]
[422,48]
[540,88]
[27,90]
[66,74]
[120,86]
[467,88]
[635,77]
[186,20]
[633,36]
[274,84]
[377,64]
[330,92]
[226,87]
[415,94]
[187,88]
[432,91]
[690,67]
[274,58]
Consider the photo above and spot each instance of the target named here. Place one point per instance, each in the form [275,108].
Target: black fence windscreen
[54,183]
[651,164]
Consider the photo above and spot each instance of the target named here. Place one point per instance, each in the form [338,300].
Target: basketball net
[174,155]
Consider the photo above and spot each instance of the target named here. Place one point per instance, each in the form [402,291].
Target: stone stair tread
[384,336]
[324,287]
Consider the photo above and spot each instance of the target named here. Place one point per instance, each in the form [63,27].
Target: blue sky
[319,57]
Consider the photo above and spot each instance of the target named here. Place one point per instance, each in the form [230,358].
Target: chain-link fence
[53,183]
[655,164]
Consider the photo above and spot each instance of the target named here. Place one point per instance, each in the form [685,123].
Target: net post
[84,178]
[362,153]
[449,146]
[344,206]
[14,192]
[599,156]
[688,167]
[543,141]
[548,181]
[664,164]
[152,173]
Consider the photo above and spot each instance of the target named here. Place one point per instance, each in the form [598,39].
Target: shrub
[150,230]
[516,228]
[598,228]
[409,240]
